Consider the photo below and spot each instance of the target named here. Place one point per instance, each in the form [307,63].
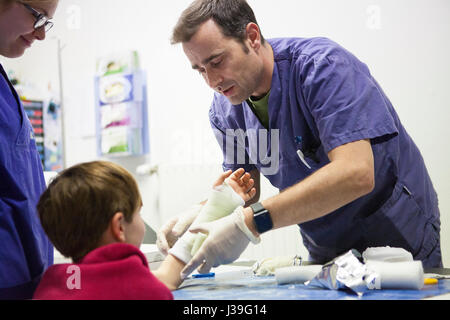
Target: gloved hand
[227,239]
[175,228]
[221,202]
[230,190]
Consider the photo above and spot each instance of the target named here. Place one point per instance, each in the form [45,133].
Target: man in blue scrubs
[349,174]
[25,250]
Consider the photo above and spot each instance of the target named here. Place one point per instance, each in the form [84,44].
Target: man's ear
[117,227]
[253,35]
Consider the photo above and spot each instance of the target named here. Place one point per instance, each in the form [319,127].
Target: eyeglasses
[41,19]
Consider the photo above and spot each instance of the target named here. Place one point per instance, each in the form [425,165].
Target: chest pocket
[308,152]
[305,139]
[25,157]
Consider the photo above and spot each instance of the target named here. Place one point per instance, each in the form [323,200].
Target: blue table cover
[249,287]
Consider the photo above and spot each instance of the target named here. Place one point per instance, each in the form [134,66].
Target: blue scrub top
[25,249]
[322,97]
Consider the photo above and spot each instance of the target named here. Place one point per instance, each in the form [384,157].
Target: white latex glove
[268,266]
[221,202]
[169,233]
[227,239]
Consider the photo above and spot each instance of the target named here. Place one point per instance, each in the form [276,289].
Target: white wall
[405,43]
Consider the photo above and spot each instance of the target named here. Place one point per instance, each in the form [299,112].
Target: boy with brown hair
[91,213]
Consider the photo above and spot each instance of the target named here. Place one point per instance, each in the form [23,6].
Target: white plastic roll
[388,254]
[397,275]
[296,274]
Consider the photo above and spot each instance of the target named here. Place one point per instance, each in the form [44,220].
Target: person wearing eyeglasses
[25,249]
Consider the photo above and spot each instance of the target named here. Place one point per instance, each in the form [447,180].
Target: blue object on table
[204,275]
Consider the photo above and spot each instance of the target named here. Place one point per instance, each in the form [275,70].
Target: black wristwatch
[262,218]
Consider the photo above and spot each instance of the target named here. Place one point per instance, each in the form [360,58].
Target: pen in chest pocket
[298,141]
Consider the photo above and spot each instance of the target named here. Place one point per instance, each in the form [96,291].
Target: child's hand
[240,181]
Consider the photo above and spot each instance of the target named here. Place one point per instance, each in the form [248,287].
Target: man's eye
[216,63]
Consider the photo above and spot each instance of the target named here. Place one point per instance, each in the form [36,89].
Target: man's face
[223,63]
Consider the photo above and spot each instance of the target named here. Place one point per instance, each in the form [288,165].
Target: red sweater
[117,271]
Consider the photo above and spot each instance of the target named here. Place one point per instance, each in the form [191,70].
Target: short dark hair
[232,17]
[80,202]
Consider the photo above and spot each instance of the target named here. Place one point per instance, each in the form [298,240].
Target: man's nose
[213,79]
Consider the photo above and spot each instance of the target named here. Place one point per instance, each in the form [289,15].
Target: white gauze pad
[222,201]
[296,274]
[397,275]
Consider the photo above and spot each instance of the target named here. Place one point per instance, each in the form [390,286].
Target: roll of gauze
[387,254]
[396,275]
[297,274]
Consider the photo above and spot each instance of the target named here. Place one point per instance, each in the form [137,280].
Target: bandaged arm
[222,201]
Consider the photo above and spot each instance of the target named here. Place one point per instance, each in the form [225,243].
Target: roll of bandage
[387,254]
[296,274]
[397,275]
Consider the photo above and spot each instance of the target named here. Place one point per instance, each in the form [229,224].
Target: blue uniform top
[322,97]
[25,249]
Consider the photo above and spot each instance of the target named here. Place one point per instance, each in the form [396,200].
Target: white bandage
[406,275]
[182,248]
[296,274]
[267,267]
[243,226]
[221,202]
[387,254]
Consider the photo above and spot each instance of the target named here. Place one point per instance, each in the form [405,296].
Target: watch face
[263,221]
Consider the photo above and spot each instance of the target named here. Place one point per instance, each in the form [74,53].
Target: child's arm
[240,181]
[169,272]
[242,184]
[230,191]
